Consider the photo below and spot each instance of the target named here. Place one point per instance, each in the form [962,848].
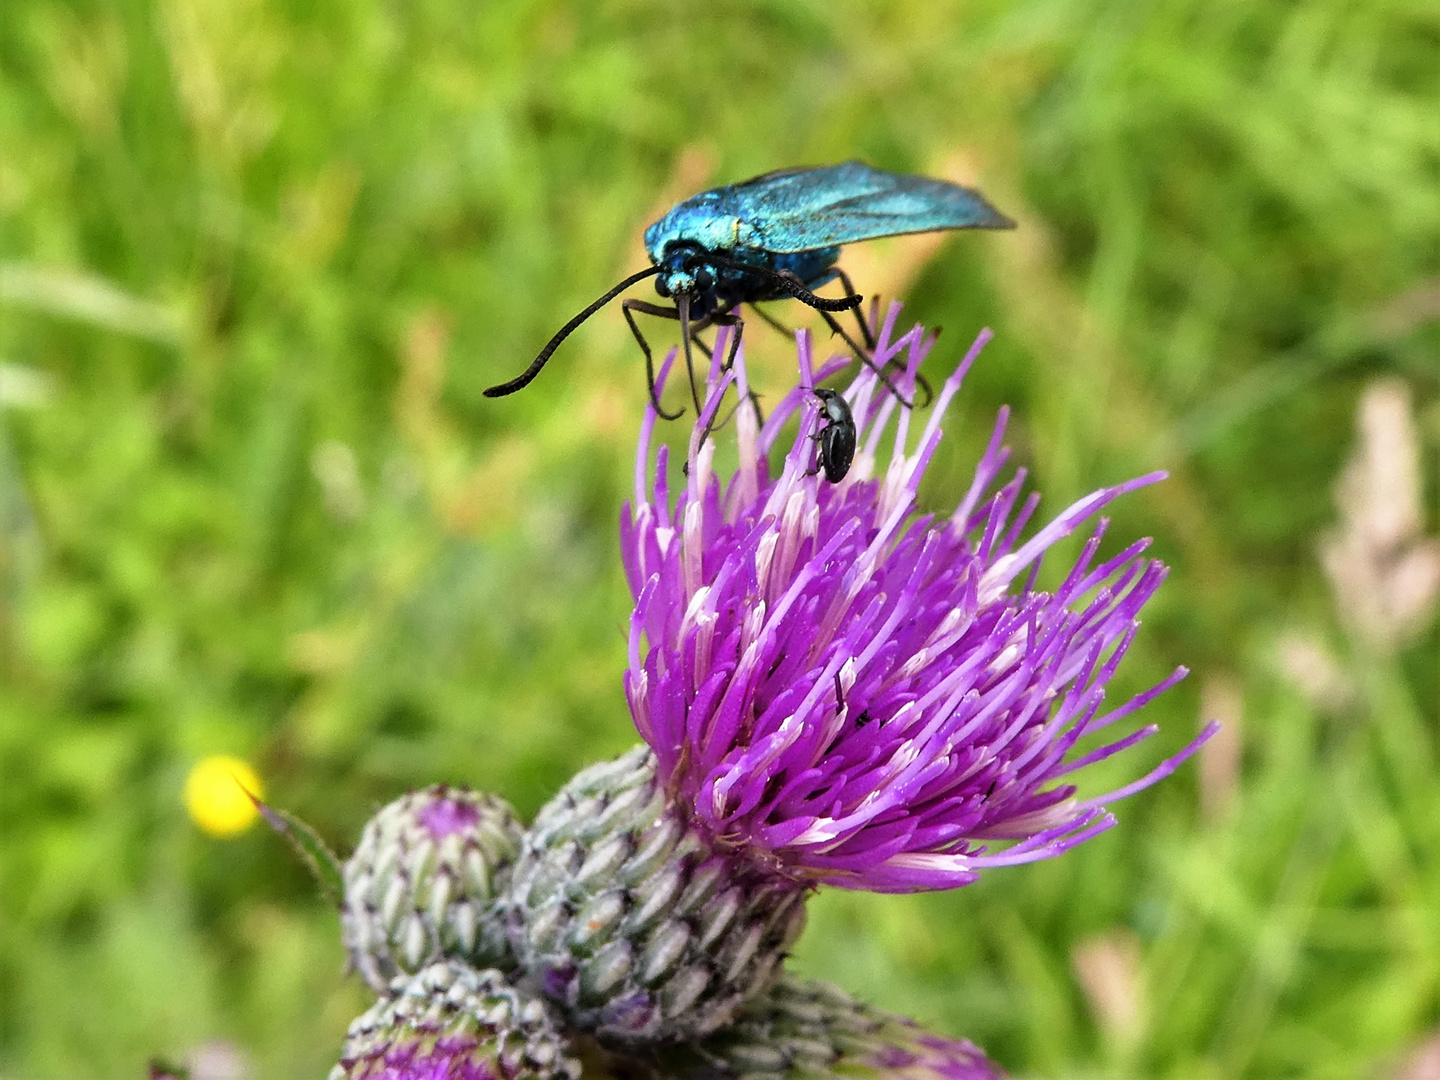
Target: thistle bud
[423,882]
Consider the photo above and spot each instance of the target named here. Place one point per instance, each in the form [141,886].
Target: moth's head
[685,270]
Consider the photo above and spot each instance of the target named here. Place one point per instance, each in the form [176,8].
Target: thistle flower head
[451,1022]
[858,693]
[816,1030]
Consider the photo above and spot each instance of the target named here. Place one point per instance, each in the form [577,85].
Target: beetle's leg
[816,436]
[627,306]
[859,318]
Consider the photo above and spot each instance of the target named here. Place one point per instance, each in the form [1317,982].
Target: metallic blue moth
[774,236]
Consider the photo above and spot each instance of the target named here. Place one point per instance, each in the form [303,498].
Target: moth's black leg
[859,318]
[722,318]
[627,306]
[870,327]
[864,358]
[772,321]
[720,424]
[869,336]
[923,384]
[726,318]
[739,326]
[716,317]
[806,297]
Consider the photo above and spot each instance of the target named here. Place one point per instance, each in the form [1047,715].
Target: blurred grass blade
[1266,385]
[89,299]
[21,544]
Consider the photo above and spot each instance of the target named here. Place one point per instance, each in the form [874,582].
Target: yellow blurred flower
[215,795]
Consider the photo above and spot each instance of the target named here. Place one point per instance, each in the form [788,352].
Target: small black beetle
[837,436]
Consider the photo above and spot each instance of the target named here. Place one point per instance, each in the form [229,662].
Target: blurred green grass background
[259,257]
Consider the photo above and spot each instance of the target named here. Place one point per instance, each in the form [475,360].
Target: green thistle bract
[816,1031]
[637,926]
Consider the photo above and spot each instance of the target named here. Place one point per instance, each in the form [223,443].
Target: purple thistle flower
[447,816]
[447,1061]
[858,694]
[451,1022]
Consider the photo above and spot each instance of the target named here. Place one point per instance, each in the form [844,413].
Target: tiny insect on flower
[218,795]
[836,437]
[853,692]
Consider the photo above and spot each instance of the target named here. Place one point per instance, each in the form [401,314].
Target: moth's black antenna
[527,376]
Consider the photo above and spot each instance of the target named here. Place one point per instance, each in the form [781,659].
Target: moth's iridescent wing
[804,209]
